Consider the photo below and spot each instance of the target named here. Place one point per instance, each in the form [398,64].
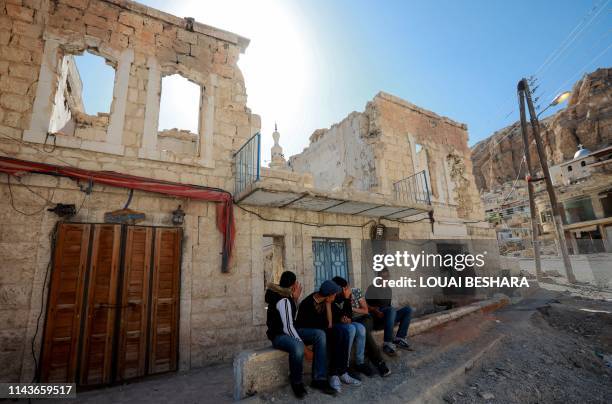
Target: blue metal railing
[413,189]
[247,161]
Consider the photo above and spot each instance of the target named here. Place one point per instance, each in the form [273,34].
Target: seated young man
[282,300]
[361,315]
[386,316]
[315,312]
[342,311]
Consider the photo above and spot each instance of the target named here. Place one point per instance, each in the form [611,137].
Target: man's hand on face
[296,290]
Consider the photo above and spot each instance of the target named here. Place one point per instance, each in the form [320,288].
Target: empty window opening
[98,80]
[84,96]
[179,105]
[420,160]
[274,258]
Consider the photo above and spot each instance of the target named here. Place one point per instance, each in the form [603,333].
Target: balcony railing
[413,189]
[247,162]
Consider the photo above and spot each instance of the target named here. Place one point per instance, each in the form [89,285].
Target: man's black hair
[340,281]
[385,269]
[287,279]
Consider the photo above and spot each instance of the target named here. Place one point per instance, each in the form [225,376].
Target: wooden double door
[113,305]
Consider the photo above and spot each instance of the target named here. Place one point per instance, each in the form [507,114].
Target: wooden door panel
[163,344]
[61,339]
[135,302]
[101,347]
[101,305]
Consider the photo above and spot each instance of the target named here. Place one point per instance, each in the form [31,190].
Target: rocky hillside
[586,120]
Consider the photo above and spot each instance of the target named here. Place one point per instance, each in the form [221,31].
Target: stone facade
[37,41]
[38,38]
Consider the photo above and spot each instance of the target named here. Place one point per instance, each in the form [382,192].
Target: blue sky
[310,63]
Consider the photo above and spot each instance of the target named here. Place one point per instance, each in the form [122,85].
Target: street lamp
[562,97]
[524,94]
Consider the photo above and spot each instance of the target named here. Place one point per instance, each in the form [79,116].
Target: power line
[31,146]
[571,38]
[12,200]
[581,70]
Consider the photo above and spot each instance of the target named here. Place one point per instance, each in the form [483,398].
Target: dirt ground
[560,353]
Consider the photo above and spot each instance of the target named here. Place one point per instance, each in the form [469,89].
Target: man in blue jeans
[386,316]
[316,312]
[282,299]
[342,312]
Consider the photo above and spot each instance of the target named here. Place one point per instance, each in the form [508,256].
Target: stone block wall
[143,45]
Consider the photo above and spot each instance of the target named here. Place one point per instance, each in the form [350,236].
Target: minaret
[278,160]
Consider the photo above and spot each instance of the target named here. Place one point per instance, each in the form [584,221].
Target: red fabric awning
[225,215]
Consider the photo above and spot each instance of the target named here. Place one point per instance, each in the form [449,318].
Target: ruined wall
[587,120]
[377,147]
[340,157]
[142,44]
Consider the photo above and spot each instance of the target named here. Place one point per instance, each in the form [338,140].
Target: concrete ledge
[267,369]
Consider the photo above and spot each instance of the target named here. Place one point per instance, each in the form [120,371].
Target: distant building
[584,188]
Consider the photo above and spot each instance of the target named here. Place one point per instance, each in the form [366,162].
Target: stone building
[115,237]
[584,189]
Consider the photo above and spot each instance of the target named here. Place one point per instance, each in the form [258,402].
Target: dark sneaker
[323,386]
[354,373]
[383,369]
[299,390]
[402,343]
[389,349]
[365,369]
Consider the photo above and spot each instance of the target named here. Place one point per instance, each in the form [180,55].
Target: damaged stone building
[123,248]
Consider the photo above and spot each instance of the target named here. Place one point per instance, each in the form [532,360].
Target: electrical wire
[41,152]
[82,203]
[580,71]
[52,239]
[12,201]
[50,201]
[571,38]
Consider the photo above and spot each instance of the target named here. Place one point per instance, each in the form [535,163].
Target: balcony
[260,186]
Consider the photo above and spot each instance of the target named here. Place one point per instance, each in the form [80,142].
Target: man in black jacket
[282,299]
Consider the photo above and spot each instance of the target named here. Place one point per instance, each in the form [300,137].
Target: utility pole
[535,231]
[523,90]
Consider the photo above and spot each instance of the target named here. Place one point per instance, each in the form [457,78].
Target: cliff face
[587,120]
